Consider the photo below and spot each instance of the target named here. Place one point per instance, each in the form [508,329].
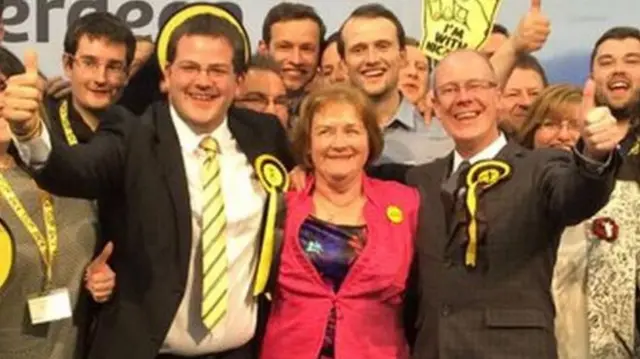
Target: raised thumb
[31,62]
[101,260]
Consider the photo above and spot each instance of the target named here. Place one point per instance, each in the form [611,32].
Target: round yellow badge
[395,215]
[7,254]
[488,172]
[272,174]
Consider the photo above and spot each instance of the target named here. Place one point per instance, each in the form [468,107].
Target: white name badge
[51,306]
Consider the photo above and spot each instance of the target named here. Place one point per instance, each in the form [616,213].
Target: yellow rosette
[274,178]
[483,174]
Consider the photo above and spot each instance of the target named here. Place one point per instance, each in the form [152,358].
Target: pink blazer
[369,302]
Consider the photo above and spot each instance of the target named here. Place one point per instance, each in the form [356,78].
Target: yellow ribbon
[274,179]
[63,112]
[485,174]
[47,246]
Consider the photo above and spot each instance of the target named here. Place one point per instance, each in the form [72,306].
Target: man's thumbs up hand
[602,132]
[533,29]
[100,279]
[22,98]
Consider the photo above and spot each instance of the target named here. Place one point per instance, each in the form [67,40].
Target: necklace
[347,203]
[329,211]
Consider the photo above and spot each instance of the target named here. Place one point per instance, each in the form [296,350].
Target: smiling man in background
[262,89]
[615,67]
[292,34]
[523,86]
[372,45]
[414,78]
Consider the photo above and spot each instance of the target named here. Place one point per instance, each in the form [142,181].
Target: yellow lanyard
[63,112]
[46,246]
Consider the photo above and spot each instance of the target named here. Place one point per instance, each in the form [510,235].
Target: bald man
[486,251]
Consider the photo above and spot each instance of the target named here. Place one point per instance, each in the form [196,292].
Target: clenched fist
[602,132]
[22,99]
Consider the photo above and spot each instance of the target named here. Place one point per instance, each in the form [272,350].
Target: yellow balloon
[7,253]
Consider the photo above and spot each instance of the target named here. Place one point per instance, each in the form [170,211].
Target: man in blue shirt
[372,44]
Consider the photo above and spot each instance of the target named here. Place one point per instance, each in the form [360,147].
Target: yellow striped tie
[215,281]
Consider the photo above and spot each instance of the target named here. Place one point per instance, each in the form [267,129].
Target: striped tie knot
[210,146]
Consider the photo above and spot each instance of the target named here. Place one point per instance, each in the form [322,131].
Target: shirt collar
[190,141]
[488,153]
[405,115]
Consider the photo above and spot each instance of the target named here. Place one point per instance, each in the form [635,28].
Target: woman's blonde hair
[549,102]
[319,99]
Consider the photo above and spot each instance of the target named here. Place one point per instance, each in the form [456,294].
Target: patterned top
[332,249]
[595,281]
[77,232]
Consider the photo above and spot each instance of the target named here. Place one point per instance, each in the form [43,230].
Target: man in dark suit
[187,249]
[491,218]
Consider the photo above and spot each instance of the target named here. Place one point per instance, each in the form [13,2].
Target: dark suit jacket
[108,210]
[139,163]
[503,307]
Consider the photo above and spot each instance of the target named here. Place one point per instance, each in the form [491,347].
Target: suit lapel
[247,141]
[450,203]
[435,212]
[169,156]
[509,154]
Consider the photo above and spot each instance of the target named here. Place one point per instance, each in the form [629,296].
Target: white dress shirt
[244,203]
[488,153]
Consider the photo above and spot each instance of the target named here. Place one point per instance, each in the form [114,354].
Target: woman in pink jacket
[348,241]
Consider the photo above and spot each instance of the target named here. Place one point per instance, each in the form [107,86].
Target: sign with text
[449,25]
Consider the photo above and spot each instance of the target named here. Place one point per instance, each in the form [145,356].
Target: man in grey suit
[491,218]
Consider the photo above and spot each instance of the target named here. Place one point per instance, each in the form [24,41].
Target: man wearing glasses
[263,89]
[486,250]
[189,179]
[98,50]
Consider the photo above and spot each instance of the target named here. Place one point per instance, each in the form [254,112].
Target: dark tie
[451,185]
